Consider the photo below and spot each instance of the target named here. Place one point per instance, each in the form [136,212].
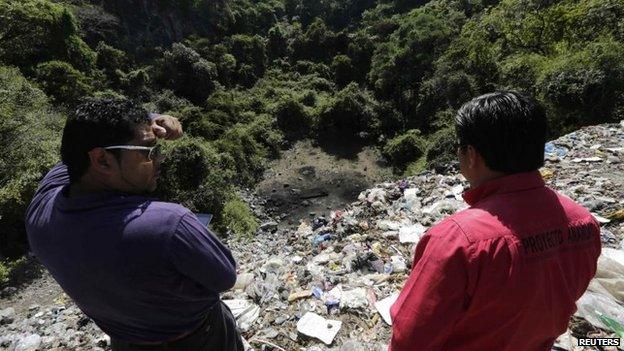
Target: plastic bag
[610,272]
[601,310]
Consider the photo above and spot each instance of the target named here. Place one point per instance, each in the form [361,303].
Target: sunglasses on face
[153,153]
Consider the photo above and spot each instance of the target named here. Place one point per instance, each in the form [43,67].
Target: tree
[184,71]
[196,176]
[343,70]
[112,61]
[251,57]
[441,150]
[405,148]
[35,31]
[319,43]
[292,118]
[30,138]
[63,82]
[277,45]
[584,86]
[351,114]
[245,154]
[400,65]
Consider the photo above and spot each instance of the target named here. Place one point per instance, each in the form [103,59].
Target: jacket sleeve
[198,254]
[435,294]
[57,176]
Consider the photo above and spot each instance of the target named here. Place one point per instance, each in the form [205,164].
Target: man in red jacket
[505,273]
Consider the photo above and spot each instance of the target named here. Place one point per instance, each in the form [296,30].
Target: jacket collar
[506,184]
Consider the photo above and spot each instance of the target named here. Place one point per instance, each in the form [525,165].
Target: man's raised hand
[167,127]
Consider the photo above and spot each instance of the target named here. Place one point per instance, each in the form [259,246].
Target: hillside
[250,79]
[341,266]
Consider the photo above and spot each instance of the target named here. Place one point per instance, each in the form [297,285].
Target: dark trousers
[217,333]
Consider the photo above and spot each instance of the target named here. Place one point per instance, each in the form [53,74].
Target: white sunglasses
[154,153]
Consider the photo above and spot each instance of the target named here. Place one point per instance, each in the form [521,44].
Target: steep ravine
[360,256]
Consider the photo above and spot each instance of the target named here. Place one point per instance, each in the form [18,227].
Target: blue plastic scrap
[551,148]
[204,218]
[317,292]
[321,238]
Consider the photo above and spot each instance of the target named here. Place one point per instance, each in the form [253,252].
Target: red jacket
[501,275]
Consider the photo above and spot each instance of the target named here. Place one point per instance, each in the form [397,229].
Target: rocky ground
[326,284]
[310,180]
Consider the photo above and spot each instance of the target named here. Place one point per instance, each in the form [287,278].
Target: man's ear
[473,157]
[102,162]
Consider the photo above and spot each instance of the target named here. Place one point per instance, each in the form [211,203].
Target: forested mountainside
[247,78]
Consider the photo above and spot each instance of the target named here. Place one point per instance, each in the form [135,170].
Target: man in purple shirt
[147,272]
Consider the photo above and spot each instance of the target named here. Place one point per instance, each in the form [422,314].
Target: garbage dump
[328,283]
[350,265]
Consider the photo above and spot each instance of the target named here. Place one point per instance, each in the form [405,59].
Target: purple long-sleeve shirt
[142,269]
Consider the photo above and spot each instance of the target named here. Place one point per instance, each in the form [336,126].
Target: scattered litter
[243,280]
[337,266]
[244,311]
[601,311]
[610,272]
[411,233]
[601,219]
[383,307]
[313,325]
[398,264]
[616,215]
[299,295]
[587,159]
[354,299]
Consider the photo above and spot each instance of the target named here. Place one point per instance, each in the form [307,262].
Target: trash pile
[331,282]
[328,283]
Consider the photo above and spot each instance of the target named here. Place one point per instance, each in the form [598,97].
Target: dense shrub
[319,43]
[251,57]
[112,61]
[441,149]
[136,83]
[521,71]
[244,154]
[239,219]
[352,113]
[405,148]
[313,68]
[277,44]
[165,101]
[264,130]
[63,82]
[254,17]
[30,142]
[292,117]
[96,25]
[343,70]
[185,72]
[584,86]
[403,61]
[194,174]
[35,31]
[198,123]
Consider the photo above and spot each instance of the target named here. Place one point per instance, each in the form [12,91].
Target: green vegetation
[30,142]
[249,77]
[238,217]
[405,148]
[19,271]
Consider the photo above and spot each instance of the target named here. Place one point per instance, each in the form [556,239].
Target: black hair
[507,128]
[98,123]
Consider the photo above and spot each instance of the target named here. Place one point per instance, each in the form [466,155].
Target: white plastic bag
[594,304]
[610,272]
